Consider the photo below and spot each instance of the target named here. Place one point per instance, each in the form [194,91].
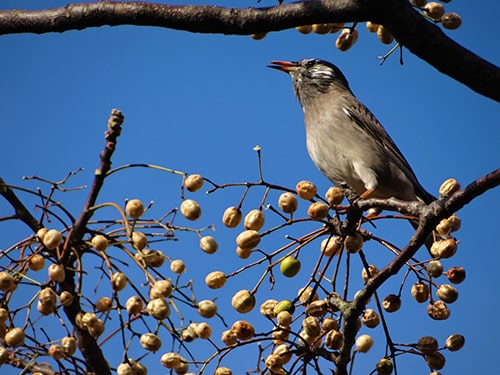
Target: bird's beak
[284,66]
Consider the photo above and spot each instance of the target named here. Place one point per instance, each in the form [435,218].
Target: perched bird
[345,140]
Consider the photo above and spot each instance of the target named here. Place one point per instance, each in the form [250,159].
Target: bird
[345,140]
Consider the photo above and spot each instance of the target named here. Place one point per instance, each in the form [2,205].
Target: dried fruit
[150,341]
[370,318]
[223,371]
[207,308]
[170,360]
[14,337]
[304,29]
[290,266]
[190,209]
[317,308]
[254,220]
[139,240]
[134,305]
[56,351]
[455,342]
[4,355]
[203,330]
[134,208]
[371,272]
[284,318]
[267,308]
[36,262]
[449,187]
[259,36]
[119,281]
[229,338]
[435,360]
[56,273]
[427,344]
[346,39]
[391,303]
[208,244]
[243,329]
[434,268]
[321,28]
[306,190]
[317,211]
[384,35]
[243,253]
[434,10]
[161,289]
[438,310]
[447,293]
[353,243]
[248,239]
[306,295]
[311,326]
[194,182]
[364,343]
[444,248]
[328,324]
[99,242]
[177,266]
[334,195]
[371,26]
[68,344]
[104,304]
[288,203]
[243,301]
[231,217]
[456,275]
[215,280]
[7,282]
[420,292]
[334,339]
[384,367]
[158,308]
[51,239]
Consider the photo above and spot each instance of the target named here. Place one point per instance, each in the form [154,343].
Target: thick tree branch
[413,31]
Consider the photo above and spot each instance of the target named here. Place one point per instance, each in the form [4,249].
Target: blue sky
[200,103]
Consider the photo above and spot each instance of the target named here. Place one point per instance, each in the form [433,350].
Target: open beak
[284,66]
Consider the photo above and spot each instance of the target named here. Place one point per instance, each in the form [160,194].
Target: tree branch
[409,27]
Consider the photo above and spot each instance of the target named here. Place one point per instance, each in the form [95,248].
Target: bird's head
[312,77]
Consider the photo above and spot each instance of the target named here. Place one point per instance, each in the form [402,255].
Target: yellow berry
[52,239]
[208,244]
[304,29]
[243,329]
[99,242]
[288,203]
[248,239]
[190,209]
[194,182]
[207,308]
[134,208]
[317,211]
[346,39]
[215,280]
[364,343]
[231,217]
[306,190]
[434,10]
[254,220]
[243,301]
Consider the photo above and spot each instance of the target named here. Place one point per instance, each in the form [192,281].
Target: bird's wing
[377,132]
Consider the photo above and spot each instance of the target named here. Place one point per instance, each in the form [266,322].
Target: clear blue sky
[200,103]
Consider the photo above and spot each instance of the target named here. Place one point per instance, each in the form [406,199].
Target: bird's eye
[310,63]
